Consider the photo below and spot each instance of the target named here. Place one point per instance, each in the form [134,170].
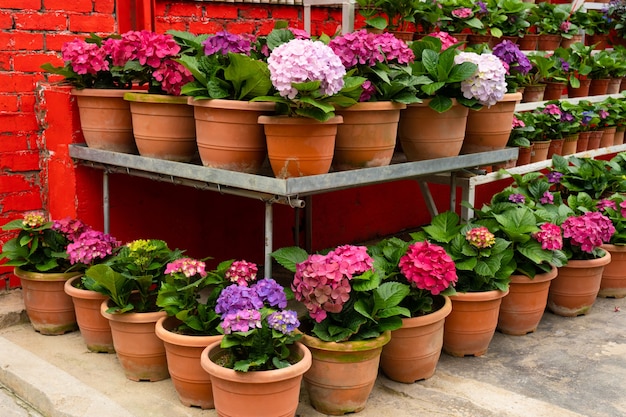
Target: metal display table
[292,191]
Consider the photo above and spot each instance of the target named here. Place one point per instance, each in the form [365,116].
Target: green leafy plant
[587,175]
[580,62]
[459,16]
[483,261]
[353,303]
[512,17]
[370,10]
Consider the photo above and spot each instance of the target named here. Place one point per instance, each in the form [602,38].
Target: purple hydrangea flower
[511,55]
[269,290]
[225,42]
[241,321]
[236,297]
[285,321]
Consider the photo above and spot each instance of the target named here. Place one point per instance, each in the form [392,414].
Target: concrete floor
[569,367]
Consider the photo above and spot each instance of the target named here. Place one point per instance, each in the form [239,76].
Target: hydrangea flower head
[34,219]
[285,321]
[84,57]
[242,272]
[511,55]
[186,266]
[428,267]
[304,60]
[488,84]
[446,39]
[172,76]
[588,231]
[549,236]
[480,237]
[270,292]
[224,42]
[71,228]
[91,246]
[241,321]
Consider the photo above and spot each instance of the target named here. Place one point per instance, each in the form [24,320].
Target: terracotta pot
[94,328]
[343,374]
[569,145]
[540,151]
[598,87]
[622,85]
[522,308]
[554,91]
[574,290]
[403,35]
[556,147]
[613,283]
[608,136]
[367,136]
[567,43]
[528,42]
[489,128]
[105,119]
[414,349]
[619,135]
[299,146]
[548,42]
[582,91]
[599,40]
[533,93]
[140,352]
[595,137]
[614,86]
[473,39]
[524,154]
[228,134]
[472,323]
[49,309]
[512,39]
[163,126]
[427,134]
[583,141]
[191,382]
[256,393]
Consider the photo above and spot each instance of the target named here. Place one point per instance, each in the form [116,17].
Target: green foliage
[582,175]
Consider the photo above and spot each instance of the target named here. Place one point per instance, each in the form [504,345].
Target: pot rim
[231,104]
[145,97]
[479,296]
[44,276]
[288,120]
[430,318]
[373,106]
[348,346]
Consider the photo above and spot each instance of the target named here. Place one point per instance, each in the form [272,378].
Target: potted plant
[579,60]
[519,65]
[257,367]
[367,136]
[555,121]
[400,17]
[613,283]
[307,93]
[520,137]
[551,21]
[442,115]
[515,21]
[484,264]
[131,279]
[228,71]
[459,17]
[39,256]
[414,349]
[351,313]
[188,294]
[536,240]
[99,83]
[90,248]
[597,27]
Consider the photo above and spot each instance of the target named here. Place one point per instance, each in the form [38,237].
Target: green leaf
[290,256]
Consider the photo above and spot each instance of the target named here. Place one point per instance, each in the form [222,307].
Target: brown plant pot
[554,91]
[414,349]
[427,134]
[343,374]
[528,42]
[582,91]
[548,42]
[469,328]
[163,126]
[480,39]
[49,309]
[489,128]
[583,141]
[608,136]
[619,135]
[614,86]
[191,382]
[228,134]
[256,393]
[595,137]
[555,148]
[367,136]
[105,119]
[574,290]
[524,154]
[94,328]
[613,283]
[569,144]
[299,146]
[568,42]
[598,87]
[522,308]
[140,352]
[540,151]
[533,93]
[600,41]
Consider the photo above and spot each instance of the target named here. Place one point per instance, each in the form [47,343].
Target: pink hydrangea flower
[172,76]
[480,237]
[84,57]
[242,272]
[446,39]
[462,12]
[90,246]
[186,266]
[428,267]
[549,236]
[588,231]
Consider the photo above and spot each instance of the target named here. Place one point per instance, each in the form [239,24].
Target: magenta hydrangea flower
[172,76]
[242,272]
[299,33]
[241,321]
[91,246]
[34,219]
[588,231]
[84,57]
[605,203]
[488,84]
[446,39]
[303,60]
[462,12]
[186,266]
[552,109]
[71,228]
[480,237]
[224,42]
[549,236]
[622,207]
[364,48]
[428,267]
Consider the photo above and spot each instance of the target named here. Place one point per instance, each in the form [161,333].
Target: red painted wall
[38,118]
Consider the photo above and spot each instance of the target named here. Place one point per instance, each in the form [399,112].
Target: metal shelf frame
[295,192]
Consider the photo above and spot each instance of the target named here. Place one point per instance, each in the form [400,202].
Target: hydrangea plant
[488,83]
[584,234]
[517,64]
[344,295]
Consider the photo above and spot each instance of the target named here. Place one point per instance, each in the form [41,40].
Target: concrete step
[570,367]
